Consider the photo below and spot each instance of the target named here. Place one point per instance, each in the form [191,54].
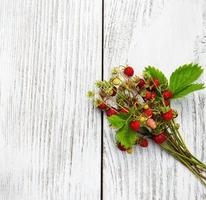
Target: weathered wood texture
[165,34]
[50,138]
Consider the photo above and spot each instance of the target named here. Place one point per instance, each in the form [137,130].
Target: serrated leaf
[156,73]
[117,121]
[126,137]
[188,89]
[184,76]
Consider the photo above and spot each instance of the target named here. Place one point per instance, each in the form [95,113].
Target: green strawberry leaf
[183,77]
[117,121]
[126,137]
[189,89]
[156,74]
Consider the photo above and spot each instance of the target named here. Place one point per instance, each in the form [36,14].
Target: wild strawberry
[111,111]
[114,91]
[135,125]
[141,83]
[167,94]
[121,147]
[143,142]
[148,95]
[159,139]
[116,81]
[142,119]
[148,112]
[168,115]
[129,71]
[151,123]
[153,95]
[124,110]
[146,106]
[102,106]
[167,103]
[156,82]
[130,151]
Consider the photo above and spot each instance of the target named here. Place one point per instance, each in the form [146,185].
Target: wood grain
[165,34]
[50,139]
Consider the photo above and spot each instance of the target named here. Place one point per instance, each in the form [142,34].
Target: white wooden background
[50,136]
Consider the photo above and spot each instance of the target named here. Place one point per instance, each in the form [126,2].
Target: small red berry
[129,71]
[148,112]
[114,91]
[167,94]
[111,111]
[156,82]
[143,142]
[151,123]
[148,95]
[153,95]
[124,110]
[135,125]
[159,139]
[141,83]
[168,115]
[167,103]
[121,147]
[102,106]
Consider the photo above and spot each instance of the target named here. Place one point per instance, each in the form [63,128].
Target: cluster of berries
[138,107]
[142,99]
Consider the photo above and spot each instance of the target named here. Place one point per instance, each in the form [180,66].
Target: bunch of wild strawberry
[137,104]
[138,107]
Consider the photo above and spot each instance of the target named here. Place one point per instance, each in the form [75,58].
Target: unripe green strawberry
[130,151]
[151,123]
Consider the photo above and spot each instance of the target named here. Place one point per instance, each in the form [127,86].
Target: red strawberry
[148,95]
[156,82]
[143,142]
[135,125]
[167,103]
[111,111]
[167,94]
[159,139]
[141,83]
[121,147]
[129,71]
[168,115]
[124,110]
[102,106]
[153,95]
[148,112]
[114,91]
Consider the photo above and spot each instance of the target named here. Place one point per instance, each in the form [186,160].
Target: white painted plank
[50,55]
[165,34]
